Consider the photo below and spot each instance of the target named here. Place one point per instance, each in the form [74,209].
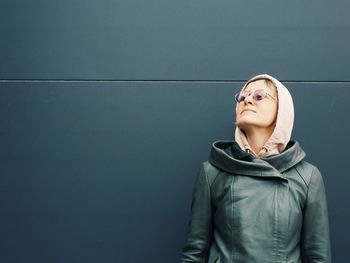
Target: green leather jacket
[267,210]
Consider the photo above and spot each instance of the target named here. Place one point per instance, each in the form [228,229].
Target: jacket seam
[232,216]
[275,226]
[211,182]
[308,188]
[208,238]
[302,177]
[307,185]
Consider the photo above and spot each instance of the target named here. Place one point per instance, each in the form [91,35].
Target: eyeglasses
[258,95]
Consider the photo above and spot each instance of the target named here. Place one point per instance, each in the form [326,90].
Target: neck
[257,138]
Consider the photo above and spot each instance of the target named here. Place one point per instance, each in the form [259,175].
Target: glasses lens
[259,95]
[239,98]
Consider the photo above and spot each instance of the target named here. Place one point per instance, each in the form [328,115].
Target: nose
[248,99]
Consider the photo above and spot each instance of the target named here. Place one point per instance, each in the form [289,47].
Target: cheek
[237,107]
[270,113]
[274,111]
[237,110]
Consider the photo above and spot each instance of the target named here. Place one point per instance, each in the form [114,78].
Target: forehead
[259,84]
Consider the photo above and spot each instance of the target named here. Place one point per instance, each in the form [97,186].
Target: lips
[247,110]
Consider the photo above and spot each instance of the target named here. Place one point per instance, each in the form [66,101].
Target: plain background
[108,108]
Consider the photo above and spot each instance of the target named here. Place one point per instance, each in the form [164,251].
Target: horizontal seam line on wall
[163,81]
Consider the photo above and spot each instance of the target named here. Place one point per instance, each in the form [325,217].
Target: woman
[256,199]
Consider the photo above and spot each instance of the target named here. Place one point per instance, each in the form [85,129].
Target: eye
[259,95]
[239,97]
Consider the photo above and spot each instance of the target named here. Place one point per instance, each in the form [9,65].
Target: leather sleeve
[200,225]
[315,238]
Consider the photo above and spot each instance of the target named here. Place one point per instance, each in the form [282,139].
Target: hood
[229,157]
[284,122]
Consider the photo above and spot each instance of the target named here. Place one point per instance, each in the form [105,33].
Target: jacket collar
[228,156]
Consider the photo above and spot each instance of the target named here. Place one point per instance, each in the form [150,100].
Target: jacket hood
[228,156]
[284,122]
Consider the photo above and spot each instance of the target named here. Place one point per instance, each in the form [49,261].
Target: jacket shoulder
[306,170]
[210,171]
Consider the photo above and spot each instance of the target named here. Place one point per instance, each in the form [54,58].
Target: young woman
[256,200]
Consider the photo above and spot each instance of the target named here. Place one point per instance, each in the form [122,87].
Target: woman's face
[257,114]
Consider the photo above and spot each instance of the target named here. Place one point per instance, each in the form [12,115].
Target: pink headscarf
[284,122]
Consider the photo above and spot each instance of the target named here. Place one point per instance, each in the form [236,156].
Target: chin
[250,123]
[244,124]
[246,121]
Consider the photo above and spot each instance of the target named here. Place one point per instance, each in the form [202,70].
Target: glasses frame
[239,97]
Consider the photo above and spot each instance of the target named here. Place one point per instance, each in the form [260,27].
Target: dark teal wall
[108,108]
[166,39]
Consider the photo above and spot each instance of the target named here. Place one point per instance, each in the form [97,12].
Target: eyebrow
[256,90]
